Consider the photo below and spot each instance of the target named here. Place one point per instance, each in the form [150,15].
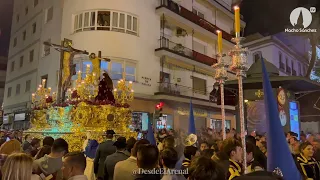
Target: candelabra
[123,93]
[87,87]
[239,66]
[221,76]
[42,97]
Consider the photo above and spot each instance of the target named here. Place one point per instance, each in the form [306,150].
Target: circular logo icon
[301,17]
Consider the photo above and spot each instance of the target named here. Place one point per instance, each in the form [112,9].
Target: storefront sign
[196,112]
[20,117]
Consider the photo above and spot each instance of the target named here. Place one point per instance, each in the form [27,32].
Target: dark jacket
[308,168]
[111,162]
[105,149]
[235,170]
[185,165]
[260,157]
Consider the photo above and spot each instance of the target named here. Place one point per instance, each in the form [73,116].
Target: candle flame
[33,94]
[49,88]
[130,82]
[132,90]
[115,90]
[218,31]
[88,65]
[236,7]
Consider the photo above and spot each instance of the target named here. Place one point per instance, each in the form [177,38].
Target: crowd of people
[118,158]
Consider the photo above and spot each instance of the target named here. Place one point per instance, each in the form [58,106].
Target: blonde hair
[10,147]
[18,166]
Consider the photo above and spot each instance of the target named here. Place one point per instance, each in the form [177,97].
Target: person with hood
[90,152]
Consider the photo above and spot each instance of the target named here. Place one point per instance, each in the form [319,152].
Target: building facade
[165,47]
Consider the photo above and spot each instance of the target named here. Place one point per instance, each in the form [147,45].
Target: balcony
[288,69]
[179,90]
[190,16]
[178,49]
[294,72]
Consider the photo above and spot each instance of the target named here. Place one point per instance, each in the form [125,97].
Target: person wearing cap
[120,155]
[105,149]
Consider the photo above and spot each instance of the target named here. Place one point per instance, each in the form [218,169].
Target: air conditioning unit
[181,32]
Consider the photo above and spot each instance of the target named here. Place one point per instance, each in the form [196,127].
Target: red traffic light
[160,105]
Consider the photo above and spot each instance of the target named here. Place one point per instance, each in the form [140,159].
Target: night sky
[6,8]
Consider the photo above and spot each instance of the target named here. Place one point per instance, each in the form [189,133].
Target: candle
[219,42]
[33,97]
[88,68]
[237,20]
[79,75]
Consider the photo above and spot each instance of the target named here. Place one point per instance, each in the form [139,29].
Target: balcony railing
[282,66]
[189,15]
[186,52]
[175,89]
[288,69]
[294,72]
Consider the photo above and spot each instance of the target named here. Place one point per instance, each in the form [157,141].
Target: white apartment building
[165,47]
[290,54]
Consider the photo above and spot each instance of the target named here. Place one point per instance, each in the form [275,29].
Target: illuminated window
[107,21]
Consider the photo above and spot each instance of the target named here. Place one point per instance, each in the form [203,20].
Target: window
[9,92]
[34,28]
[198,13]
[18,89]
[28,85]
[103,20]
[14,42]
[199,47]
[49,15]
[21,61]
[31,55]
[130,72]
[292,65]
[216,124]
[287,62]
[12,66]
[45,78]
[107,21]
[47,49]
[281,64]
[116,70]
[118,22]
[24,34]
[35,3]
[199,85]
[26,10]
[18,18]
[132,25]
[257,56]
